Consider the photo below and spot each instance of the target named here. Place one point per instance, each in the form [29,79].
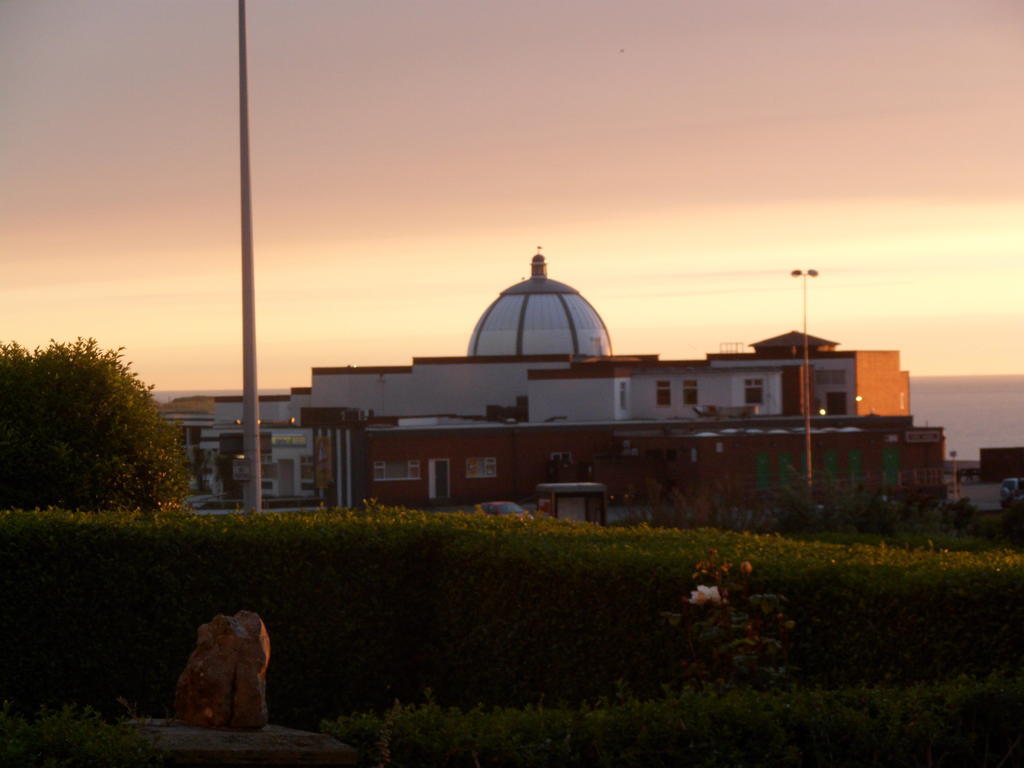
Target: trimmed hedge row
[366,607]
[69,738]
[961,723]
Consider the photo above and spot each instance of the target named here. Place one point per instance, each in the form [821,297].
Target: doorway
[438,469]
[286,477]
[835,403]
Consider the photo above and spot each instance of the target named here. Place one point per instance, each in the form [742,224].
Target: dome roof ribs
[607,335]
[522,324]
[540,316]
[480,324]
[572,324]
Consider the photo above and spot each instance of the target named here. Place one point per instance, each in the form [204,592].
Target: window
[690,392]
[396,470]
[663,394]
[623,394]
[753,391]
[562,457]
[830,378]
[306,472]
[482,466]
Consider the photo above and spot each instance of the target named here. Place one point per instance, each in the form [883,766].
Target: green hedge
[68,738]
[958,723]
[101,607]
[363,608]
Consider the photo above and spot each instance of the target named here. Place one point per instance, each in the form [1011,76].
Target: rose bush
[733,638]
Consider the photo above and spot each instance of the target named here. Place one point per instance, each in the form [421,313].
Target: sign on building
[240,470]
[323,462]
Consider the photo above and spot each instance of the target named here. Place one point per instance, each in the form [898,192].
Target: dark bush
[962,723]
[961,514]
[1013,523]
[69,738]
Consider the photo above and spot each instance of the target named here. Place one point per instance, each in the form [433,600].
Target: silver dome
[540,316]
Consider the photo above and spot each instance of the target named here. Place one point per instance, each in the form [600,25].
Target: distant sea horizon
[975,411]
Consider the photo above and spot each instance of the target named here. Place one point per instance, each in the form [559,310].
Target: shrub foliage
[366,607]
[79,430]
[70,738]
[961,722]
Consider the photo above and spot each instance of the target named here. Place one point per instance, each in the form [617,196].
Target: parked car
[1011,490]
[509,508]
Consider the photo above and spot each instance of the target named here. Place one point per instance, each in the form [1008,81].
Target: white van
[585,502]
[1011,490]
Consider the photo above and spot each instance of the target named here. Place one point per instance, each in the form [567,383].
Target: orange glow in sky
[675,158]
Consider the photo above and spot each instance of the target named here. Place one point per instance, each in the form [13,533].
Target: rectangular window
[690,392]
[753,391]
[396,470]
[306,472]
[763,471]
[787,473]
[664,393]
[831,465]
[481,466]
[855,465]
[623,395]
[826,378]
[562,457]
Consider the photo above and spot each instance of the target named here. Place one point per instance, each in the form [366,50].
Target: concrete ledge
[189,745]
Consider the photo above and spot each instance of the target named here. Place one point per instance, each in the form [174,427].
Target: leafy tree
[79,430]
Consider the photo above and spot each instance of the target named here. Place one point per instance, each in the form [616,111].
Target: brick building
[540,396]
[425,462]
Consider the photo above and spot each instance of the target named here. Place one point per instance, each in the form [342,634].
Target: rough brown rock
[224,682]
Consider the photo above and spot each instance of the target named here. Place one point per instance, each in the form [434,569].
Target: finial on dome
[537,265]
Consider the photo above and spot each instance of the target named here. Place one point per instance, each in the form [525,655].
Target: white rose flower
[703,594]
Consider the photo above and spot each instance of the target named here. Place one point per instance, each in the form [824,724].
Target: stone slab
[273,745]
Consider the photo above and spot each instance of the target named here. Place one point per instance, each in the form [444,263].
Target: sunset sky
[676,159]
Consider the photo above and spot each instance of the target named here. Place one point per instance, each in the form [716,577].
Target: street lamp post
[253,484]
[806,380]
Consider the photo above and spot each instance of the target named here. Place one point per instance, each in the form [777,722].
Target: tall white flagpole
[253,488]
